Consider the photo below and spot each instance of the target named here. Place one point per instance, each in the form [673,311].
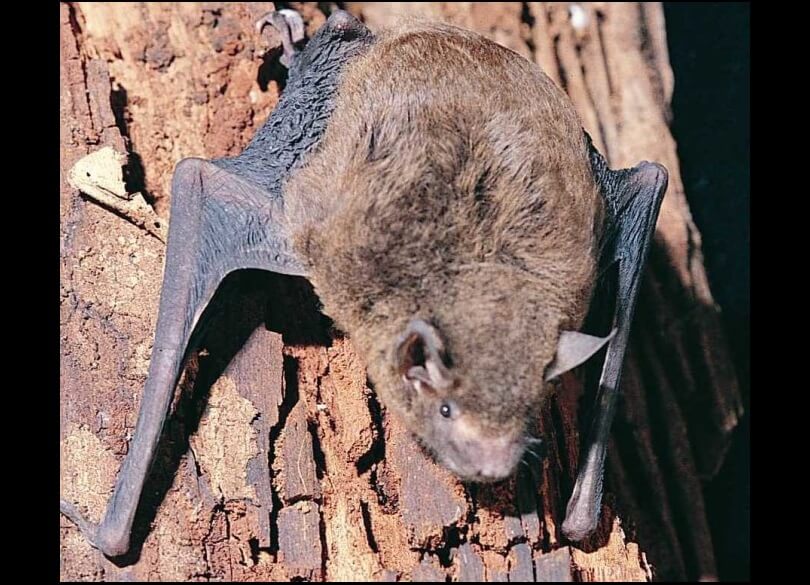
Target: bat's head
[457,305]
[456,347]
[457,339]
[474,425]
[467,372]
[460,356]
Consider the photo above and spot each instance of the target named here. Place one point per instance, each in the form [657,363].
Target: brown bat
[439,192]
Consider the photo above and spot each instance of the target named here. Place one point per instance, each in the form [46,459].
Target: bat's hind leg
[87,528]
[288,24]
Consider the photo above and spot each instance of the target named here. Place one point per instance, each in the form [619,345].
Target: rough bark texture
[278,461]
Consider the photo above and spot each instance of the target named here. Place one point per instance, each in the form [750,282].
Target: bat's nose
[486,459]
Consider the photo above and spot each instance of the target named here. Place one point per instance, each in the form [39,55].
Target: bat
[457,240]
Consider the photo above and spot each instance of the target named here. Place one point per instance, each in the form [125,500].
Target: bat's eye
[445,411]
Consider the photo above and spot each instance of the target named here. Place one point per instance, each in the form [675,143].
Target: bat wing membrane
[220,222]
[226,215]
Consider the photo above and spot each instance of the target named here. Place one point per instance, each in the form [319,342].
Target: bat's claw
[533,457]
[288,24]
[536,448]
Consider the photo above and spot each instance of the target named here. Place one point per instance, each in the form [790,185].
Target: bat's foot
[110,541]
[288,24]
[88,529]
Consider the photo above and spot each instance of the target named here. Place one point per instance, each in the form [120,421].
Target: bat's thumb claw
[295,22]
[286,22]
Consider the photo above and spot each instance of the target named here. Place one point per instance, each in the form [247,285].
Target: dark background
[709,51]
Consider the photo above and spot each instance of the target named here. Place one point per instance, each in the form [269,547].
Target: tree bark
[278,461]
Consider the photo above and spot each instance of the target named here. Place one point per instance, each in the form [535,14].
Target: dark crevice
[324,547]
[302,498]
[471,493]
[564,479]
[589,94]
[372,542]
[527,496]
[388,505]
[271,69]
[600,19]
[317,451]
[376,452]
[560,69]
[648,52]
[77,37]
[134,172]
[528,19]
[327,416]
[452,537]
[197,469]
[118,104]
[215,512]
[375,458]
[74,23]
[253,543]
[290,400]
[661,443]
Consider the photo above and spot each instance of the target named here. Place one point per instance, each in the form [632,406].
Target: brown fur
[452,184]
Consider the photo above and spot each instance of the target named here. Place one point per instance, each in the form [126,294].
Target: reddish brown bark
[278,461]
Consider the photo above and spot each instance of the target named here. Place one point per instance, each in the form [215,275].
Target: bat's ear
[573,349]
[420,357]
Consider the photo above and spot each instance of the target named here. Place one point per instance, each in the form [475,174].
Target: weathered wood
[278,461]
[554,567]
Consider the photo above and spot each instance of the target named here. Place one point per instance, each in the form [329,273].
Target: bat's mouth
[483,460]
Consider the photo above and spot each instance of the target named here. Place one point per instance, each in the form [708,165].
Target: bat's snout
[483,459]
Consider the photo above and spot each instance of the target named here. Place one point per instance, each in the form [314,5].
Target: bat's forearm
[113,534]
[582,512]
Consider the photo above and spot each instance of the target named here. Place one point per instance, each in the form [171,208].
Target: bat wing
[226,215]
[220,222]
[633,198]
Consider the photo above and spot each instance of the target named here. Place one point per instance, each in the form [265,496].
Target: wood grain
[321,483]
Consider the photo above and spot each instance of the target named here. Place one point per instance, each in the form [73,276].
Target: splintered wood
[278,462]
